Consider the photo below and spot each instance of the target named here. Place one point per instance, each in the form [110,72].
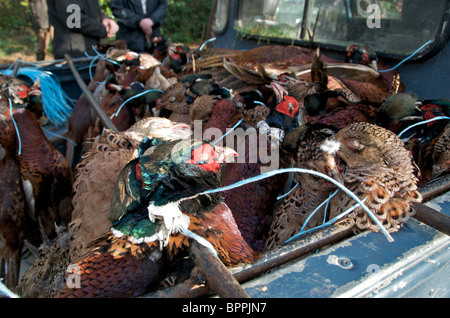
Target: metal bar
[304,245]
[16,67]
[435,188]
[427,215]
[51,62]
[98,109]
[433,218]
[218,277]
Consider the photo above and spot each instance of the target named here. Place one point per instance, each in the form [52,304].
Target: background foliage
[186,22]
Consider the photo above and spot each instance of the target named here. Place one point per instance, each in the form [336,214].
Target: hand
[146,26]
[110,26]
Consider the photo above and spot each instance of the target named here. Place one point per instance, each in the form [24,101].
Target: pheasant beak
[225,154]
[115,87]
[333,171]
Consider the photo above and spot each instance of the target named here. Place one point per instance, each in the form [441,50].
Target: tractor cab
[396,30]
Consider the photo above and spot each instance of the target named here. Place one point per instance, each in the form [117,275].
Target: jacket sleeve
[127,17]
[159,14]
[88,25]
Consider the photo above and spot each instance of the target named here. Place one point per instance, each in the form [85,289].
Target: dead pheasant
[12,207]
[94,183]
[157,198]
[379,170]
[291,213]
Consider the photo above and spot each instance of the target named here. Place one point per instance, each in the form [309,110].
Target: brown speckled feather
[293,211]
[93,188]
[378,169]
[12,214]
[48,172]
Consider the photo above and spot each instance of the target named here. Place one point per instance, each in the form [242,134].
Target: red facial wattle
[204,156]
[23,91]
[289,106]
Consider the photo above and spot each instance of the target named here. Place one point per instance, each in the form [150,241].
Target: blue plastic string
[59,136]
[300,170]
[56,103]
[317,209]
[136,96]
[91,66]
[199,239]
[6,292]
[340,216]
[409,57]
[422,123]
[21,62]
[229,131]
[165,60]
[289,192]
[206,42]
[291,180]
[105,58]
[15,125]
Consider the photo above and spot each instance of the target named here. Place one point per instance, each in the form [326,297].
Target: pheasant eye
[204,158]
[22,91]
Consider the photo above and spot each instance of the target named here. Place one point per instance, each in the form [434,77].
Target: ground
[9,59]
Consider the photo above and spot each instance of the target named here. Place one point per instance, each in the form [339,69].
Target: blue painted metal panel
[416,264]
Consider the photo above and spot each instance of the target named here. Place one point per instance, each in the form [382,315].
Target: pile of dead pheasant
[194,122]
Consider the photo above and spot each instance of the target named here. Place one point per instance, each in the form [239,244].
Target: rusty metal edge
[435,188]
[106,121]
[435,219]
[218,277]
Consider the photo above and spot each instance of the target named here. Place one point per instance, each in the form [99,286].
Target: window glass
[221,16]
[271,18]
[388,26]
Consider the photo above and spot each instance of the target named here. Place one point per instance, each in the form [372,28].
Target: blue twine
[59,136]
[300,170]
[98,55]
[422,123]
[409,57]
[105,58]
[15,125]
[327,201]
[6,292]
[229,131]
[56,103]
[91,66]
[164,61]
[22,62]
[136,96]
[340,216]
[199,239]
[289,192]
[291,180]
[206,42]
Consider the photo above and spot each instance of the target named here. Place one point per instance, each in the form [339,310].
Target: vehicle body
[416,264]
